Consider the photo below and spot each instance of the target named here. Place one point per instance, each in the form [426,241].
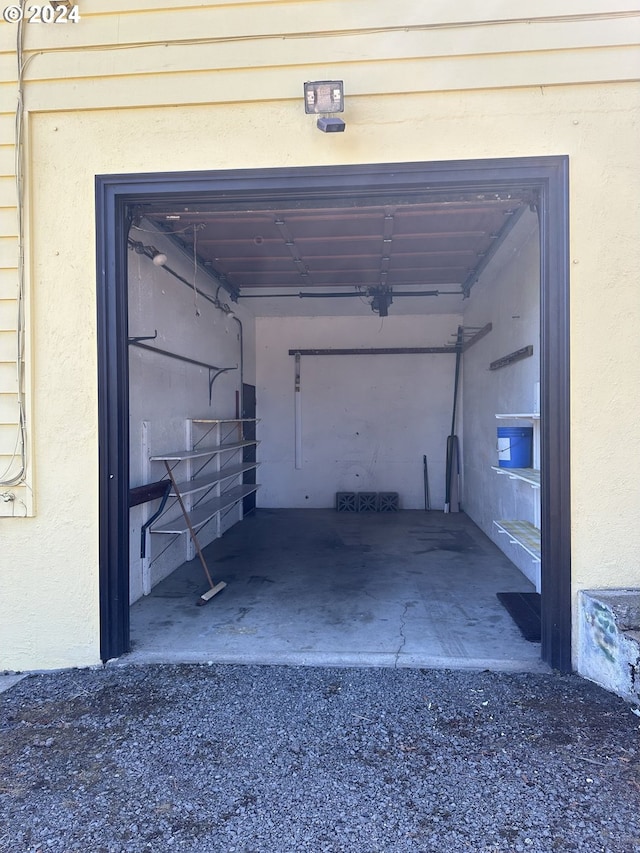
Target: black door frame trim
[116,195]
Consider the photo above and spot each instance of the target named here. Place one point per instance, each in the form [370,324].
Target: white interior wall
[508,296]
[165,392]
[367,420]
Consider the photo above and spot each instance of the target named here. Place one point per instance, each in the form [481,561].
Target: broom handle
[192,532]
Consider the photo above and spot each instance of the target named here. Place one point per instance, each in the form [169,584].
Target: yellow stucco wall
[49,590]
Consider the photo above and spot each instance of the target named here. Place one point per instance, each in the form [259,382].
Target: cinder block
[367,501]
[346,501]
[388,502]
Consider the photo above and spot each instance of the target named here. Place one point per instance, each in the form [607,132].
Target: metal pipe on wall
[238,321]
[298,415]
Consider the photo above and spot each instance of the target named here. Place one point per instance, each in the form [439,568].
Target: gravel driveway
[288,759]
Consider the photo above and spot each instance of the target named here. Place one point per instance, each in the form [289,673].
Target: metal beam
[512,218]
[382,351]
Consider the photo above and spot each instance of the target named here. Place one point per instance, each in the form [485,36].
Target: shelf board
[524,534]
[201,484]
[201,514]
[529,416]
[182,455]
[225,420]
[527,475]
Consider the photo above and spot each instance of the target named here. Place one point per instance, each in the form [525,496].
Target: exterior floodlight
[324,98]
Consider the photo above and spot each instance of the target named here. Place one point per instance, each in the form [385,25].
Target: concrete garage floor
[317,587]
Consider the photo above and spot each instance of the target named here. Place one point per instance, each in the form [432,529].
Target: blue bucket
[515,447]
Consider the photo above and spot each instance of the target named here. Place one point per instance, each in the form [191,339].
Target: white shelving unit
[527,475]
[524,533]
[206,481]
[529,416]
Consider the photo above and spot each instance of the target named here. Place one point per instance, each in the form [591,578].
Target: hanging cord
[151,252]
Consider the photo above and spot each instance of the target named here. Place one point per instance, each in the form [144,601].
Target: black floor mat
[524,609]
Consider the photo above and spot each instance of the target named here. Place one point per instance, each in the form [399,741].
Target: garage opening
[336,394]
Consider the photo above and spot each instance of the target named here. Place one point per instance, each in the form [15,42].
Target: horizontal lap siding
[140,53]
[216,52]
[162,54]
[361,78]
[102,25]
[9,409]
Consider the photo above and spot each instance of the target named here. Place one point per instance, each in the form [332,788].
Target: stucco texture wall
[50,577]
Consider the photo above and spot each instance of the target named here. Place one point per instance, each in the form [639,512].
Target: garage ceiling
[333,258]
